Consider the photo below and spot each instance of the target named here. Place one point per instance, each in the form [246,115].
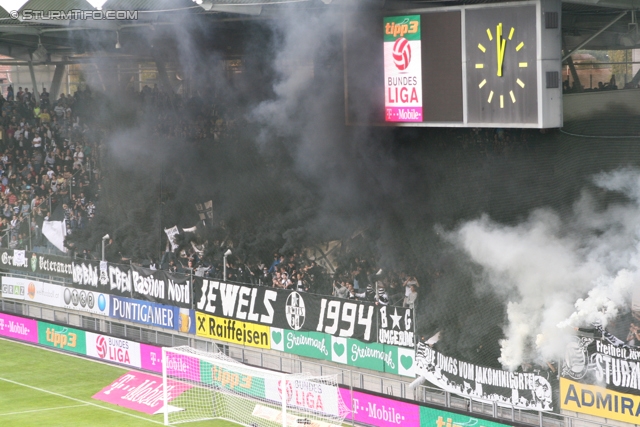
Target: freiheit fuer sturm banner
[600,376]
[402,69]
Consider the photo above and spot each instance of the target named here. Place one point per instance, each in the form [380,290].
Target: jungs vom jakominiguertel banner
[525,390]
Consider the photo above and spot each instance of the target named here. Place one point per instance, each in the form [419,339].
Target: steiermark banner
[309,344]
[318,345]
[369,355]
[62,337]
[404,358]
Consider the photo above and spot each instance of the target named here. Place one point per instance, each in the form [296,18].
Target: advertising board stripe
[232,331]
[62,337]
[18,328]
[599,401]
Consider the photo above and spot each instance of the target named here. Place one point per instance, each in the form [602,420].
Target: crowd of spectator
[48,165]
[356,279]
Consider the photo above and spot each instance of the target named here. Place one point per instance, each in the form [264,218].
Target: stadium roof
[49,35]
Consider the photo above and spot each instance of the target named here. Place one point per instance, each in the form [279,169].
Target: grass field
[47,389]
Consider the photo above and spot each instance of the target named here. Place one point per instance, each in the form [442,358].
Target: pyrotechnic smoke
[294,175]
[557,272]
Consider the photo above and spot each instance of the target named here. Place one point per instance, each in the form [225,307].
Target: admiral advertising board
[220,303]
[55,295]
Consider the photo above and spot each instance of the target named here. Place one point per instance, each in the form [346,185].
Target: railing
[390,385]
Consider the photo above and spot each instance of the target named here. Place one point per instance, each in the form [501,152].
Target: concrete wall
[582,106]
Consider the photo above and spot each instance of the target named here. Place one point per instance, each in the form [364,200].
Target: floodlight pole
[104,239]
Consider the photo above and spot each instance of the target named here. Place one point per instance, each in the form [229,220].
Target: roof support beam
[602,30]
[56,82]
[36,93]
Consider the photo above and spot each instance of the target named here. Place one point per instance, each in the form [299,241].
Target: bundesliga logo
[102,347]
[401,53]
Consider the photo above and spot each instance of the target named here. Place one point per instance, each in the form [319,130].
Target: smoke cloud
[559,272]
[515,240]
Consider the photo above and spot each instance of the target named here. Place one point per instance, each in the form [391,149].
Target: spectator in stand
[44,98]
[301,283]
[381,297]
[410,281]
[410,300]
[340,290]
[276,261]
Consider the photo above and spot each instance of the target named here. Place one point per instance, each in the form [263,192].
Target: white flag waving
[171,234]
[55,232]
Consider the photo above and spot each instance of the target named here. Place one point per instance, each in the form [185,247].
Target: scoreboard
[490,65]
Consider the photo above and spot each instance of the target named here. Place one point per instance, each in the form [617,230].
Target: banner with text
[133,282]
[603,360]
[31,262]
[161,287]
[305,312]
[527,390]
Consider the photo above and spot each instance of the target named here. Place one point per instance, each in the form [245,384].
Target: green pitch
[41,388]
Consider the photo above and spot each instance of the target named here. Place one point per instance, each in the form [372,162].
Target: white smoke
[558,273]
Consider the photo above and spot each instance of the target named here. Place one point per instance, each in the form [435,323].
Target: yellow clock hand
[501,56]
[499,45]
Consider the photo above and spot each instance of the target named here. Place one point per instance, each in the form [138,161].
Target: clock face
[501,65]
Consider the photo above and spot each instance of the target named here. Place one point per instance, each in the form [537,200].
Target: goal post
[211,385]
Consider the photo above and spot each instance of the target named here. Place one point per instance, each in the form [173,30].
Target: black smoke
[290,173]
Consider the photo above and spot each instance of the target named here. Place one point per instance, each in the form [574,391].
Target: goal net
[215,386]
